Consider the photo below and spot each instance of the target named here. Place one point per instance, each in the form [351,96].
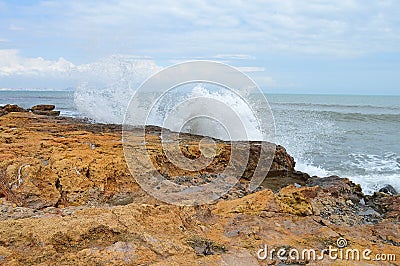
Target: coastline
[67,196]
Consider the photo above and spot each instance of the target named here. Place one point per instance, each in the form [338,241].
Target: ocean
[346,135]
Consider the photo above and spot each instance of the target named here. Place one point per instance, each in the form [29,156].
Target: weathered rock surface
[68,198]
[43,107]
[2,112]
[388,189]
[50,113]
[13,108]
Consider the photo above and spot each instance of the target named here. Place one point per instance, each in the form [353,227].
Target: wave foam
[216,113]
[311,169]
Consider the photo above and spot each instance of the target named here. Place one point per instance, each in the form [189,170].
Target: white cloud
[12,64]
[251,69]
[115,69]
[237,29]
[311,27]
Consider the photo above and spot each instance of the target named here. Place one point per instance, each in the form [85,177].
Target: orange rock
[68,198]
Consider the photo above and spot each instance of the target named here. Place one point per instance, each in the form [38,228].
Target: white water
[106,87]
[213,112]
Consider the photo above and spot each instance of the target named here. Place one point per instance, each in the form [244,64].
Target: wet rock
[337,186]
[388,205]
[388,189]
[43,107]
[275,180]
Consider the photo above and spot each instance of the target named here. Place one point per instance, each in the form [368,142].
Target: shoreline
[65,183]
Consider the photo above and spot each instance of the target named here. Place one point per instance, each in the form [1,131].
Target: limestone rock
[68,198]
[43,107]
[13,108]
[50,113]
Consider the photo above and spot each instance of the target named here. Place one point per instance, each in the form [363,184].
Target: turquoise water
[346,135]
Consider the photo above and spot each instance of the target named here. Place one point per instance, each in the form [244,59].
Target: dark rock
[276,180]
[13,108]
[386,204]
[204,246]
[49,113]
[337,186]
[43,107]
[388,189]
[2,112]
[369,212]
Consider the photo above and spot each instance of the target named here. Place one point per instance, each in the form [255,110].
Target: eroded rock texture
[67,198]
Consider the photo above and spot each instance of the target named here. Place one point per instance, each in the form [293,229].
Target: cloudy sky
[335,46]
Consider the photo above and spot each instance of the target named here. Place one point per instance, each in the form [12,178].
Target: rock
[49,113]
[369,212]
[204,246]
[388,205]
[388,189]
[3,112]
[63,202]
[13,108]
[337,187]
[43,107]
[57,165]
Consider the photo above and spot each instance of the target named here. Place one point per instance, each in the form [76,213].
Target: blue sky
[350,47]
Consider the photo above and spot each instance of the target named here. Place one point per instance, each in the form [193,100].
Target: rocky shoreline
[67,197]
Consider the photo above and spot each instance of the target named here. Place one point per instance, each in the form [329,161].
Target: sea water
[346,135]
[63,100]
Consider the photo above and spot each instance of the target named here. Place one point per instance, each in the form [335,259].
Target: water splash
[106,86]
[178,107]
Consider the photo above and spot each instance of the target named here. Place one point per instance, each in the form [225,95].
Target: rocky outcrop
[13,108]
[41,109]
[45,109]
[67,197]
[62,162]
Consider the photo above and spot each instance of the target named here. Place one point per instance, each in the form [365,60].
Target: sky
[324,47]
